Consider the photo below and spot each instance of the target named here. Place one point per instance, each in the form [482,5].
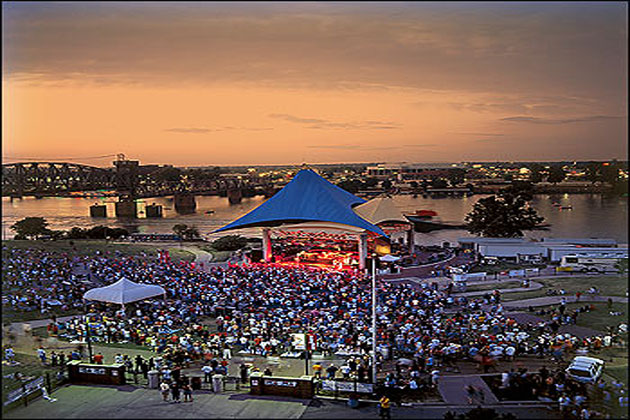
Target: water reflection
[591,215]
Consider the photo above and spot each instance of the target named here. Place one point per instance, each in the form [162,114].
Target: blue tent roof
[308,197]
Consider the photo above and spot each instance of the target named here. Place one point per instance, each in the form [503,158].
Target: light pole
[374,319]
[87,330]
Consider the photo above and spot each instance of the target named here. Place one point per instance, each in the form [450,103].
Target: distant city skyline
[233,84]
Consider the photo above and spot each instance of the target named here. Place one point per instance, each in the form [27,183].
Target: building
[590,242]
[311,208]
[411,171]
[518,253]
[549,249]
[556,252]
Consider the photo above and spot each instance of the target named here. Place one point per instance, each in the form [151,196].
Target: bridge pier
[126,208]
[235,195]
[185,203]
[153,210]
[98,210]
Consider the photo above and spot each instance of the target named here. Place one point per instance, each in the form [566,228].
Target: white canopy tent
[124,291]
[389,258]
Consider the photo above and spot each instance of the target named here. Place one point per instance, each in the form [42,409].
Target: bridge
[127,179]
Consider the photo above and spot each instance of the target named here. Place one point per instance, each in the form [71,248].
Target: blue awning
[308,197]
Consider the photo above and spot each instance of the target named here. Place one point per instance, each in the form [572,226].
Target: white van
[585,369]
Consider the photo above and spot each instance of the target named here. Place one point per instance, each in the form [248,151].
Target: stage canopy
[123,291]
[380,210]
[307,198]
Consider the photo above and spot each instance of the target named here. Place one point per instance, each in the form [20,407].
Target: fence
[25,391]
[50,381]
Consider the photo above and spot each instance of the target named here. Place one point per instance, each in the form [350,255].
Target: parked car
[585,369]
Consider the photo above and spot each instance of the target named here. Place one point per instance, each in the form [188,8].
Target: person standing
[42,354]
[98,358]
[144,367]
[175,392]
[244,373]
[207,373]
[317,370]
[164,389]
[187,392]
[9,354]
[227,352]
[384,405]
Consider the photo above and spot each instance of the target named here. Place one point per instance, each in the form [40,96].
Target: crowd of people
[35,280]
[573,398]
[210,315]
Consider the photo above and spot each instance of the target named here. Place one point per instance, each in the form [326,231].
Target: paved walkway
[555,300]
[102,402]
[95,401]
[532,286]
[453,390]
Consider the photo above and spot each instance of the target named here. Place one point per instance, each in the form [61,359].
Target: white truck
[585,369]
[588,264]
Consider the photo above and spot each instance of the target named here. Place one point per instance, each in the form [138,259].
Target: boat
[210,212]
[542,226]
[566,207]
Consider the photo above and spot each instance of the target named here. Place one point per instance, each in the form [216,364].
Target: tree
[229,243]
[439,183]
[97,232]
[186,232]
[505,216]
[370,182]
[56,235]
[556,174]
[352,186]
[593,172]
[168,174]
[610,173]
[523,188]
[76,233]
[456,176]
[30,227]
[535,173]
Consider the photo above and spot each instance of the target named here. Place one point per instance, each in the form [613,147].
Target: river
[592,215]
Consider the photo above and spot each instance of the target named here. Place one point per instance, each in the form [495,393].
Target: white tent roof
[123,291]
[379,210]
[389,258]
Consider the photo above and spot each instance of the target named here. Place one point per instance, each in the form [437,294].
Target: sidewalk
[555,300]
[106,401]
[453,390]
[103,401]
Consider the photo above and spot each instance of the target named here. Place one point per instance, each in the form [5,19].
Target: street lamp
[374,319]
[87,330]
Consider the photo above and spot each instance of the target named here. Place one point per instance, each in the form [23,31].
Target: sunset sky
[286,83]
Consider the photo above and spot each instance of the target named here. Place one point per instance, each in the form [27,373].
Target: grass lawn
[616,363]
[9,316]
[31,367]
[89,247]
[599,318]
[609,285]
[43,332]
[219,256]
